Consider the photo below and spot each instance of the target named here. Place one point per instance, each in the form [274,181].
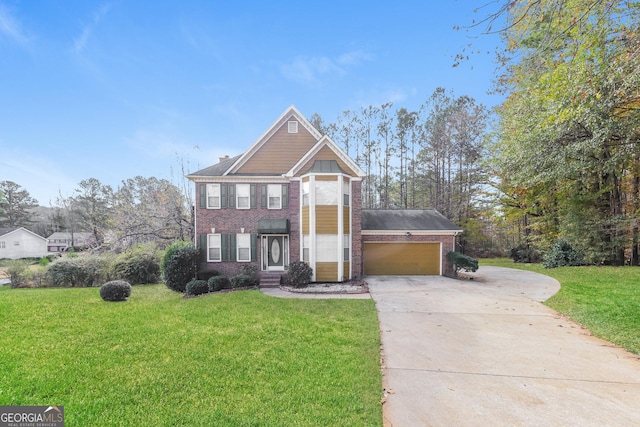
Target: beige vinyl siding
[305,220]
[327,272]
[327,220]
[346,270]
[346,214]
[280,153]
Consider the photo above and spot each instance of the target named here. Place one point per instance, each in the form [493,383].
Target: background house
[18,242]
[61,241]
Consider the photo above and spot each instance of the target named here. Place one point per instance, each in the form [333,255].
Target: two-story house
[295,195]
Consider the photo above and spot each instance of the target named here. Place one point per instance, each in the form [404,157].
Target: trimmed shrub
[561,254]
[217,283]
[299,275]
[44,261]
[179,265]
[207,274]
[116,290]
[18,271]
[243,281]
[196,287]
[461,262]
[247,277]
[138,266]
[85,271]
[525,254]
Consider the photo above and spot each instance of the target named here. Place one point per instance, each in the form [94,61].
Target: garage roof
[406,220]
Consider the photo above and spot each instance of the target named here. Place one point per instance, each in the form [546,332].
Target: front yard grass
[606,300]
[235,359]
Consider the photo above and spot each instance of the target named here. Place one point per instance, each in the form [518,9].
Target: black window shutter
[232,195]
[202,188]
[223,195]
[263,196]
[254,247]
[224,240]
[203,245]
[252,203]
[232,247]
[285,196]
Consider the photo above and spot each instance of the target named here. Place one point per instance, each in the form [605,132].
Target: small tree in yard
[179,265]
[461,262]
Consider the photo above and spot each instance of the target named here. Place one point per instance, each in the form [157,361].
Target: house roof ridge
[291,111]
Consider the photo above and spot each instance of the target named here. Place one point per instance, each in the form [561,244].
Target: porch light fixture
[242,230]
[213,230]
[408,234]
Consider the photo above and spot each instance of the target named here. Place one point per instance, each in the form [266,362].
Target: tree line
[140,210]
[431,157]
[566,151]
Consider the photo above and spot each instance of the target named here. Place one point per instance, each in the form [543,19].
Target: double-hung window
[274,193]
[213,196]
[243,242]
[243,195]
[214,248]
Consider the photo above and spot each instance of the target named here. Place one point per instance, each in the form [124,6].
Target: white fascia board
[28,231]
[243,178]
[412,232]
[327,142]
[292,111]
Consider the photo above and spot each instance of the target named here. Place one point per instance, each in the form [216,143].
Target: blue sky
[115,89]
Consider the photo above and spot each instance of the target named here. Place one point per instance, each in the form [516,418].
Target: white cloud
[41,177]
[80,42]
[11,27]
[311,70]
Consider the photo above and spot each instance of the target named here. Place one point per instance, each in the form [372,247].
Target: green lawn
[606,300]
[235,359]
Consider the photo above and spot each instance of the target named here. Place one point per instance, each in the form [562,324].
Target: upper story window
[345,193]
[243,195]
[213,196]
[274,194]
[2,245]
[305,193]
[327,192]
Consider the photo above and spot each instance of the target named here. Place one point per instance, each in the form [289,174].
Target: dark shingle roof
[325,166]
[7,230]
[218,169]
[406,219]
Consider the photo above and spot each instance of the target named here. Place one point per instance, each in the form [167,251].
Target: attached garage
[388,258]
[406,242]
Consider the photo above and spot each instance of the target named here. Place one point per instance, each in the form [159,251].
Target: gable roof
[280,154]
[407,220]
[8,230]
[218,169]
[291,113]
[67,235]
[325,143]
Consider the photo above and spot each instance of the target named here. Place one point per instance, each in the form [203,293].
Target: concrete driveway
[486,352]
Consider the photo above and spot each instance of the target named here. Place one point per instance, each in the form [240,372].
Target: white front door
[275,252]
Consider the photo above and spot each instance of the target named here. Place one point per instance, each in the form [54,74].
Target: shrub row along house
[295,195]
